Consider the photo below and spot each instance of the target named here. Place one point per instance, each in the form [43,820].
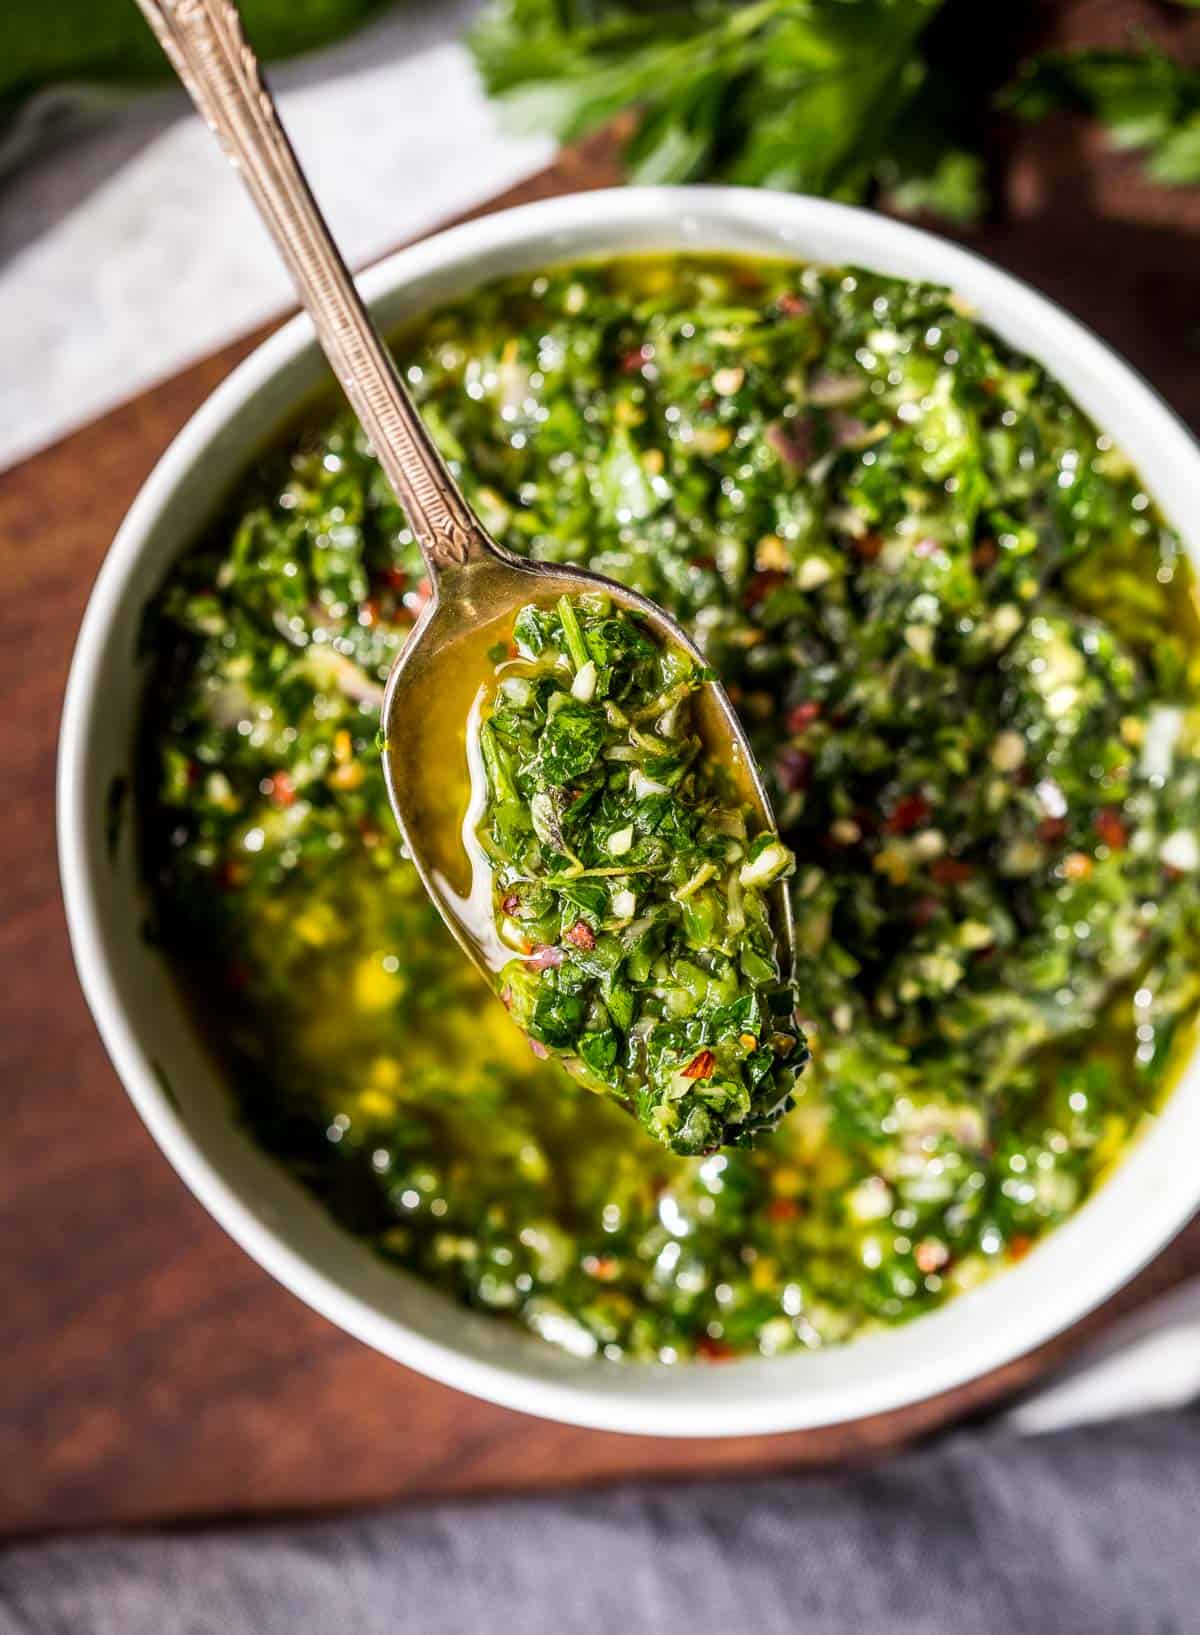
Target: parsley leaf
[569,744]
[1146,99]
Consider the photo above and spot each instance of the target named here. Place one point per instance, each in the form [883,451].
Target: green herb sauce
[625,872]
[964,643]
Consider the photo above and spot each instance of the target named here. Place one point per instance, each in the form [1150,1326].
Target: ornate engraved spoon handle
[208,50]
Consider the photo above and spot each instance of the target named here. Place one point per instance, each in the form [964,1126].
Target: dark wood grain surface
[149,1370]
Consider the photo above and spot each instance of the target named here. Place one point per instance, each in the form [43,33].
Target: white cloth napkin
[124,257]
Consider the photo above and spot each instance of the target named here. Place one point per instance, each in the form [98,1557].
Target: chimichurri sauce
[964,642]
[628,878]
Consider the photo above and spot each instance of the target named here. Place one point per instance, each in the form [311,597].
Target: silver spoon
[477,585]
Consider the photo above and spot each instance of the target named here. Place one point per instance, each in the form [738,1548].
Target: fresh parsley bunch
[818,96]
[852,99]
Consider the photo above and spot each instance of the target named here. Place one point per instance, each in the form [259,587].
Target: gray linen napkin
[1084,1532]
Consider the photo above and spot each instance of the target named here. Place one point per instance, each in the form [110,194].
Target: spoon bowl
[430,692]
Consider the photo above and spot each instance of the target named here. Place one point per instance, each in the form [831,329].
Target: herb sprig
[1147,100]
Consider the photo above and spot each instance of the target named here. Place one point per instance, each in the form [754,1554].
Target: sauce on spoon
[621,878]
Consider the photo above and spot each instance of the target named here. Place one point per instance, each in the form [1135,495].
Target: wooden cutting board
[150,1370]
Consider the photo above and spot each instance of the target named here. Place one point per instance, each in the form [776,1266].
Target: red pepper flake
[846,430]
[792,440]
[1051,829]
[931,1255]
[604,1268]
[795,306]
[794,768]
[1111,829]
[700,1066]
[950,871]
[282,791]
[714,1351]
[511,903]
[581,935]
[869,546]
[909,812]
[802,716]
[1019,1246]
[984,555]
[632,362]
[924,911]
[545,957]
[782,1209]
[396,578]
[761,584]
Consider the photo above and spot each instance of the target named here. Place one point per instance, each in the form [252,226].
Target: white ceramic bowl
[153,1045]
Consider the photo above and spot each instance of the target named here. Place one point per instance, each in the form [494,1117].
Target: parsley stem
[495,762]
[577,648]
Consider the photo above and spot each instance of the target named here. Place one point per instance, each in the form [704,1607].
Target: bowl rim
[578,1400]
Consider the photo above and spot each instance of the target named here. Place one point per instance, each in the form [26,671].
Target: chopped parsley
[628,876]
